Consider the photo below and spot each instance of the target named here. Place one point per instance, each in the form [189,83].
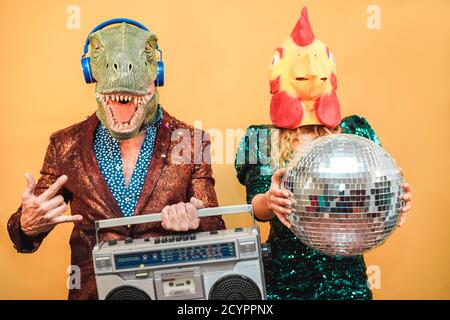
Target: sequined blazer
[71,152]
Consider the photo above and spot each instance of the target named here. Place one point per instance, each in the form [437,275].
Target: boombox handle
[156,217]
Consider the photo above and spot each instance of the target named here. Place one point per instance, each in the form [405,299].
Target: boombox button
[146,239]
[171,239]
[238,229]
[128,240]
[141,275]
[157,240]
[213,232]
[185,238]
[112,242]
[178,238]
[164,240]
[192,237]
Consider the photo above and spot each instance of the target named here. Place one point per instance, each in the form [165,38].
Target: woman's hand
[182,216]
[279,200]
[407,198]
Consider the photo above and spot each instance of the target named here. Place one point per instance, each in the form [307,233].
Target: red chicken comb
[302,33]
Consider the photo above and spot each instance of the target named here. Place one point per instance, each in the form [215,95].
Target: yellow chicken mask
[303,81]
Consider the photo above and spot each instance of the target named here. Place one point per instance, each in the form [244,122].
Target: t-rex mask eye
[303,80]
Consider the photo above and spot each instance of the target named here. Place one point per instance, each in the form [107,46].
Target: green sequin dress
[297,271]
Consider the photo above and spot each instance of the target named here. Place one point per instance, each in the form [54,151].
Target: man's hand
[182,216]
[42,213]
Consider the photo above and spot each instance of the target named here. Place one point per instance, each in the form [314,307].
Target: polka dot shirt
[108,154]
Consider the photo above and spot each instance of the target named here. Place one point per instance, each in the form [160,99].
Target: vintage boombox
[219,265]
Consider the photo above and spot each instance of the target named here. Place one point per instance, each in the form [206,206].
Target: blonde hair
[283,140]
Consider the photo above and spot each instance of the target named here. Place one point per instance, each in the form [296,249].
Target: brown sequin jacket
[71,152]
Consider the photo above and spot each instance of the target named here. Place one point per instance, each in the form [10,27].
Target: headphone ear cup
[159,81]
[87,72]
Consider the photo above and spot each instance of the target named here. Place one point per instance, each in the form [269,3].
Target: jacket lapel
[159,160]
[92,167]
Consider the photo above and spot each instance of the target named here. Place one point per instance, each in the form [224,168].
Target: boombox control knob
[266,252]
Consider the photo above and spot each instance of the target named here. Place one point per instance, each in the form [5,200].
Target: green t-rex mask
[124,63]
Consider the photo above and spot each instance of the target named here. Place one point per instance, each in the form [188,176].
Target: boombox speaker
[213,265]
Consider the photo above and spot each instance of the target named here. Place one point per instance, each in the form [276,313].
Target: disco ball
[347,193]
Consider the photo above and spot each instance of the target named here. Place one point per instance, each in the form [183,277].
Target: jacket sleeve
[253,161]
[359,126]
[201,187]
[49,174]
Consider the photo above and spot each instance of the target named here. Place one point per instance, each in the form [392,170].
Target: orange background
[217,55]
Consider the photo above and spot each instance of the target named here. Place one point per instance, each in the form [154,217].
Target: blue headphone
[86,61]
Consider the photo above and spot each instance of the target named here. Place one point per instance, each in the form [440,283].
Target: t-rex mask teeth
[303,80]
[123,110]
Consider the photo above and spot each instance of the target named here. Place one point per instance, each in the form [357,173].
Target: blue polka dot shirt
[108,154]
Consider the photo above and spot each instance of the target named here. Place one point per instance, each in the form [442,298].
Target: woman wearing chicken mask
[304,106]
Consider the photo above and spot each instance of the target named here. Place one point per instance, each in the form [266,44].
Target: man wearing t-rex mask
[118,161]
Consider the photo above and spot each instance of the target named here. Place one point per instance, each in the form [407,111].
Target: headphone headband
[108,23]
[86,61]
